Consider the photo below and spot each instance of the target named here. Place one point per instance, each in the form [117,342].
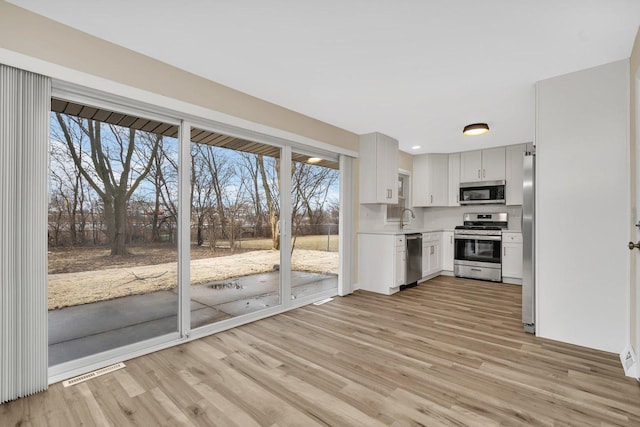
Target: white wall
[582,216]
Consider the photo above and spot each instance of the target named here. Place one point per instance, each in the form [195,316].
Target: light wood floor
[449,352]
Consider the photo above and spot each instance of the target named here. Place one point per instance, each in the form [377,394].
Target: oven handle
[476,237]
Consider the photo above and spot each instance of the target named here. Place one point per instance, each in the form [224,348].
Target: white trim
[345,228]
[285,227]
[66,77]
[184,230]
[92,362]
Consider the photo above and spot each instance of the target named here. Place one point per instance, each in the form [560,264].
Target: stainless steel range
[478,246]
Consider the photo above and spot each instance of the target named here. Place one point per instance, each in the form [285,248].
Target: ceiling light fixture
[475,129]
[416,147]
[314,160]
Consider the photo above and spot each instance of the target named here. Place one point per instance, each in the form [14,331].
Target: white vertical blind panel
[24,134]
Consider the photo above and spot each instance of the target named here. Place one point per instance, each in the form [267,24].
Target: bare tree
[115,170]
[270,178]
[310,187]
[163,176]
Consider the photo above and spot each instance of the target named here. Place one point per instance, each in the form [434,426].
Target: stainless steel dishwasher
[414,259]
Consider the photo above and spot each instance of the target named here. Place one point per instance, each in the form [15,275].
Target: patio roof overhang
[197,135]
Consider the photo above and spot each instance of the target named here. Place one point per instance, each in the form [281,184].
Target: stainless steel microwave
[482,193]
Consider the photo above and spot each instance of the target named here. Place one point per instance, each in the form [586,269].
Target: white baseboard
[512,280]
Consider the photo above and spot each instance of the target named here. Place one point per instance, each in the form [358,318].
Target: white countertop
[421,230]
[405,231]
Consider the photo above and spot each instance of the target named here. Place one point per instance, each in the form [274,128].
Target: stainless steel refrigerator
[528,243]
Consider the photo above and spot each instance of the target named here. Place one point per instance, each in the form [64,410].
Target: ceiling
[416,70]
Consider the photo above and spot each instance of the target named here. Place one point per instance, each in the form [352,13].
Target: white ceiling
[417,70]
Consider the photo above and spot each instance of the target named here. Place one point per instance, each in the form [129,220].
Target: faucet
[402,217]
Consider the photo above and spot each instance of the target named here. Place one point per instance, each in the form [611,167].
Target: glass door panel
[111,230]
[235,207]
[315,207]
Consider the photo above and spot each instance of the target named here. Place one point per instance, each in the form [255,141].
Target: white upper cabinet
[482,165]
[454,179]
[378,165]
[471,166]
[430,179]
[493,164]
[513,186]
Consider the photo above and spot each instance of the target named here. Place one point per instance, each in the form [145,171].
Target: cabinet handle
[484,173]
[431,198]
[504,251]
[478,173]
[451,239]
[457,198]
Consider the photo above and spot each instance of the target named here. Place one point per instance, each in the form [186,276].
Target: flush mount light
[314,160]
[475,129]
[416,147]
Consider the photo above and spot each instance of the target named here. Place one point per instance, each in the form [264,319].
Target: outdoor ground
[88,274]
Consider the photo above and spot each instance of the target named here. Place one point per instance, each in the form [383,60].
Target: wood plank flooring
[448,352]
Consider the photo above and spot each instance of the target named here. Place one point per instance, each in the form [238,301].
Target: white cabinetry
[482,165]
[512,257]
[454,179]
[447,251]
[400,265]
[430,180]
[378,165]
[431,249]
[381,262]
[513,172]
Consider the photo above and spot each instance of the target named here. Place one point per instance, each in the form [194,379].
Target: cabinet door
[454,179]
[425,260]
[378,169]
[388,167]
[493,164]
[447,250]
[434,258]
[438,179]
[430,180]
[512,255]
[513,174]
[401,265]
[419,177]
[471,166]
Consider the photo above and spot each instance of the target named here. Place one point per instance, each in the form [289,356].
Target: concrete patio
[87,329]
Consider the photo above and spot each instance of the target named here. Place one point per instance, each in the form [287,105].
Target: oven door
[478,257]
[478,249]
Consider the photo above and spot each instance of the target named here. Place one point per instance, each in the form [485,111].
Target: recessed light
[475,129]
[314,160]
[416,147]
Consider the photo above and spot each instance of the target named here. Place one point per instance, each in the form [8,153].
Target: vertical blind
[24,134]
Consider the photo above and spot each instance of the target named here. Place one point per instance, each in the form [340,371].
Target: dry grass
[130,276]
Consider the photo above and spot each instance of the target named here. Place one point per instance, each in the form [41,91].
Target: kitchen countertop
[421,230]
[406,231]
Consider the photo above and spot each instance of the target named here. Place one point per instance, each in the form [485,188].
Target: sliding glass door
[161,231]
[235,227]
[315,208]
[112,230]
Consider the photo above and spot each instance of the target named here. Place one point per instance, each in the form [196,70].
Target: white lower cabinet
[431,249]
[511,257]
[447,250]
[381,262]
[400,265]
